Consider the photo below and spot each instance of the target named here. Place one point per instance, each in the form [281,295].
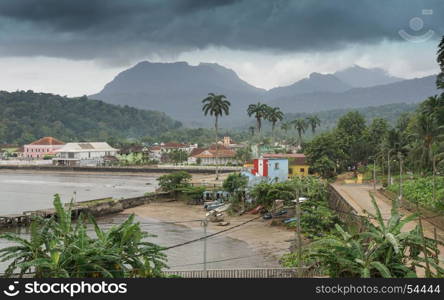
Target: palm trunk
[259,125]
[272,131]
[217,153]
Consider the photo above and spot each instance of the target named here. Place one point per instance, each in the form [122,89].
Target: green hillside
[26,116]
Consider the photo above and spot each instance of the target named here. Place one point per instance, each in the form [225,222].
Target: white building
[156,151]
[84,154]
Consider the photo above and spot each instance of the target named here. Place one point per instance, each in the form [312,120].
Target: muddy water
[20,192]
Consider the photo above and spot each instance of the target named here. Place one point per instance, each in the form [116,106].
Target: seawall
[160,169]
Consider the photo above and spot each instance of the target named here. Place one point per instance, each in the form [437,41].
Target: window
[302,170]
[276,166]
[290,171]
[70,154]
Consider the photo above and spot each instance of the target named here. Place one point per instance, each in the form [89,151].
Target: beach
[265,239]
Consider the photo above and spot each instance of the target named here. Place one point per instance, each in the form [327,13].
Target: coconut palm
[259,111]
[251,129]
[314,122]
[300,125]
[440,59]
[274,115]
[217,106]
[286,127]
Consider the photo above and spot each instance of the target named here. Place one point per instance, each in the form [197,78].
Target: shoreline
[269,241]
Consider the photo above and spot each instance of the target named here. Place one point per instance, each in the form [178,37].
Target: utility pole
[433,177]
[374,175]
[298,233]
[388,168]
[205,224]
[424,246]
[400,176]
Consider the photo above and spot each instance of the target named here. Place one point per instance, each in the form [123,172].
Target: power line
[210,235]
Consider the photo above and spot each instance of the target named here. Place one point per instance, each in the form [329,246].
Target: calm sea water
[20,192]
[31,191]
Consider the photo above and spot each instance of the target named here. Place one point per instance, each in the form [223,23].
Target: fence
[245,273]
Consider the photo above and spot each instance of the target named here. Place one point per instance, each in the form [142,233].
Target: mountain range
[178,88]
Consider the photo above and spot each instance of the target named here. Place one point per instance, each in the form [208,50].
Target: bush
[420,190]
[174,182]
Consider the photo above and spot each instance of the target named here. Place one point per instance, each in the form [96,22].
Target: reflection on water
[31,191]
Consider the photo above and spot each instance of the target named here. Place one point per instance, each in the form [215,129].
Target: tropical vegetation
[383,248]
[60,248]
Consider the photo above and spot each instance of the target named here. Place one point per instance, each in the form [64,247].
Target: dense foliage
[420,190]
[317,218]
[28,116]
[60,248]
[383,249]
[174,182]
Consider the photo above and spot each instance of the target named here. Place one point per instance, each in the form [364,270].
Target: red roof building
[42,147]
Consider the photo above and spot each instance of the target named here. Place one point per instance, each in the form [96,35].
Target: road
[358,196]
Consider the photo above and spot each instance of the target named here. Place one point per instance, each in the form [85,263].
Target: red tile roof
[295,158]
[219,147]
[174,145]
[48,140]
[197,151]
[220,153]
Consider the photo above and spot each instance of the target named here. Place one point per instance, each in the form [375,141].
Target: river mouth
[33,191]
[222,252]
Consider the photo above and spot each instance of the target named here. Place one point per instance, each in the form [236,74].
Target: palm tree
[286,127]
[426,132]
[440,59]
[217,106]
[274,115]
[314,122]
[259,111]
[251,129]
[58,247]
[382,249]
[300,126]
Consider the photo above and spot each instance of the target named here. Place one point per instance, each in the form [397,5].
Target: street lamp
[400,175]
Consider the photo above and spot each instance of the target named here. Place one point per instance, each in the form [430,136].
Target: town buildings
[157,152]
[46,146]
[297,163]
[212,156]
[269,170]
[84,154]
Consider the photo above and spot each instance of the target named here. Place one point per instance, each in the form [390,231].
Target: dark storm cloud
[108,29]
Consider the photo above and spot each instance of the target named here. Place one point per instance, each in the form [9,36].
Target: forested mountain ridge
[26,116]
[178,89]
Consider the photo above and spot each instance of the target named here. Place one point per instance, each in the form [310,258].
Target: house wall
[84,158]
[278,170]
[219,161]
[39,151]
[298,170]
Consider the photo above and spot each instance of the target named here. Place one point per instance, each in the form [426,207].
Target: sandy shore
[270,241]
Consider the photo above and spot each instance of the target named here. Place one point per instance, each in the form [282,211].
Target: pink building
[45,146]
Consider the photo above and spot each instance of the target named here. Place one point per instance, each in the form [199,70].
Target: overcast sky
[75,47]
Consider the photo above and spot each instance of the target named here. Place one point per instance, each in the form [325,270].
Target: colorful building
[297,163]
[43,147]
[84,154]
[267,170]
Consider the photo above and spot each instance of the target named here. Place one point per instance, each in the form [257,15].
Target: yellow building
[297,165]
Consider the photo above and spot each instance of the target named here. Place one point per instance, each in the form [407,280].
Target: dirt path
[358,196]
